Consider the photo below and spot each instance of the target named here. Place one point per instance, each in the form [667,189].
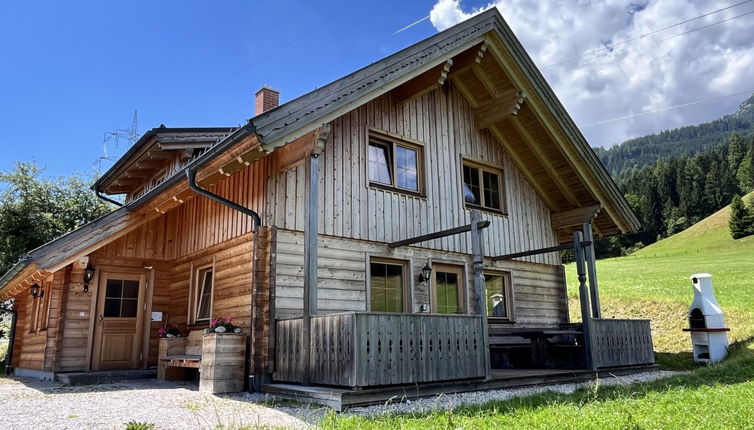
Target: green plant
[136,425]
[223,325]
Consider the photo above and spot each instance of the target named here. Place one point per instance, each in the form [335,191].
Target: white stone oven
[709,336]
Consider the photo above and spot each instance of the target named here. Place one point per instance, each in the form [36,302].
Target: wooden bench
[178,353]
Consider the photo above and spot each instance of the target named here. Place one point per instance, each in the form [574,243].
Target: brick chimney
[267,98]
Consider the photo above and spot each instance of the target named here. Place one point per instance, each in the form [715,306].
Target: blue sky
[73,71]
[76,70]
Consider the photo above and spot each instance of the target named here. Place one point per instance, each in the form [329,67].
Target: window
[202,295]
[497,291]
[121,298]
[448,289]
[482,187]
[395,164]
[387,292]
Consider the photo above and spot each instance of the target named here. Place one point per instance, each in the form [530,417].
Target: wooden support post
[591,269]
[586,316]
[477,257]
[311,247]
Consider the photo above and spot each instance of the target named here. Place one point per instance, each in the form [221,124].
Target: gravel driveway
[33,404]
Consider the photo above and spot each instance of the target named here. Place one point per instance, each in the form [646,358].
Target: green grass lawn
[653,283]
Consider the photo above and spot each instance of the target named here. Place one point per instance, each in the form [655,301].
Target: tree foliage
[35,209]
[685,141]
[673,194]
[741,222]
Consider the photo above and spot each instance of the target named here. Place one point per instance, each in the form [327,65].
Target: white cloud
[644,75]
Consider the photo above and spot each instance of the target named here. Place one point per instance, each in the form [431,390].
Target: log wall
[539,289]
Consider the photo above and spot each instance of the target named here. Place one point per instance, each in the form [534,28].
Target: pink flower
[229,319]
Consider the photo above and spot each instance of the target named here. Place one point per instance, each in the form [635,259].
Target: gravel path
[33,404]
[479,397]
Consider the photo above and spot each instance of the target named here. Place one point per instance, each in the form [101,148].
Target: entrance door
[448,289]
[118,328]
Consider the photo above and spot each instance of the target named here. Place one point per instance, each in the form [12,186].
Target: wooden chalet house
[363,235]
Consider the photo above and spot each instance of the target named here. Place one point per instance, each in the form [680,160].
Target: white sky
[644,75]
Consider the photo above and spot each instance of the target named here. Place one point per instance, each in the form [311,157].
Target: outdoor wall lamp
[88,276]
[35,290]
[425,273]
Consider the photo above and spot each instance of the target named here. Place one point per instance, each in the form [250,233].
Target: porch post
[586,317]
[591,268]
[311,212]
[477,257]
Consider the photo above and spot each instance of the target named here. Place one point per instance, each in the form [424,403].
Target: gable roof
[280,126]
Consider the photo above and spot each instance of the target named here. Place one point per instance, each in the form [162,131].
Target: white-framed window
[483,187]
[202,293]
[395,164]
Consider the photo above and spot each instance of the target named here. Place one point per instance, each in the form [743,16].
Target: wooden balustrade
[363,349]
[621,342]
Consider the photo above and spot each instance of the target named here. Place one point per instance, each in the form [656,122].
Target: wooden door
[119,319]
[448,289]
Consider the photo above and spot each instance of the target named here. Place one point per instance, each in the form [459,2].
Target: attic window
[483,187]
[395,164]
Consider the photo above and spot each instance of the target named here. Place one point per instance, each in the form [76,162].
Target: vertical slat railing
[621,342]
[365,349]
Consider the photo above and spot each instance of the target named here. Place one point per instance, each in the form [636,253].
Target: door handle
[99,319]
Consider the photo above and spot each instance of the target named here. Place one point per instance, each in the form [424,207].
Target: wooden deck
[343,398]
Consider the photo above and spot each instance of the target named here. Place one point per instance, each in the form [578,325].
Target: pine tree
[736,151]
[745,173]
[740,223]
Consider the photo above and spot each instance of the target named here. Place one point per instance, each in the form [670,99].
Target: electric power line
[613,45]
[667,108]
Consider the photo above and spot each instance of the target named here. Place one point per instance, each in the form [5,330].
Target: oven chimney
[267,98]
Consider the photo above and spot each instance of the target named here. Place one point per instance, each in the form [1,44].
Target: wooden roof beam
[574,217]
[539,153]
[523,168]
[497,110]
[423,83]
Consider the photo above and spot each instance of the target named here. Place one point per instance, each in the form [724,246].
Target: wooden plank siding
[539,289]
[443,121]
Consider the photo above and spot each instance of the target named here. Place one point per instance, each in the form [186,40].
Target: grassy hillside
[709,235]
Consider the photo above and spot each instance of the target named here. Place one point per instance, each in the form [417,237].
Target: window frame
[462,290]
[508,293]
[489,168]
[392,141]
[405,281]
[197,284]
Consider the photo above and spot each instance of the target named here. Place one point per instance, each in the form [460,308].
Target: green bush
[135,425]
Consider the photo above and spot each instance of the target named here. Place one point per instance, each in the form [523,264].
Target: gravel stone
[451,401]
[34,404]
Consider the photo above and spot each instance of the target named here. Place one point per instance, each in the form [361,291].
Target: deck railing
[363,349]
[621,342]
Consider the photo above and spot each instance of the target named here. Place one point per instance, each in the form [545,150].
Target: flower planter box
[223,362]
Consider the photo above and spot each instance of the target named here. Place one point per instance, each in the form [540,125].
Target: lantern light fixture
[88,276]
[425,274]
[35,290]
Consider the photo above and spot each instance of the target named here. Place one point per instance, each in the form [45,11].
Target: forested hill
[689,140]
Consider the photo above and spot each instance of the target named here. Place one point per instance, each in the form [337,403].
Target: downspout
[11,338]
[191,179]
[107,199]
